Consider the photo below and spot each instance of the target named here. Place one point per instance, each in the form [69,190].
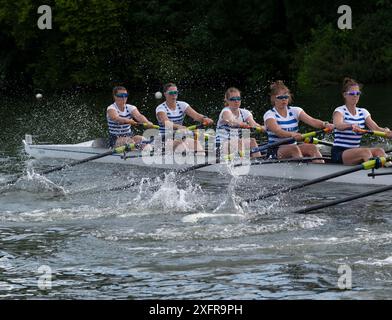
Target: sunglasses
[172,93]
[353,93]
[121,95]
[235,99]
[282,97]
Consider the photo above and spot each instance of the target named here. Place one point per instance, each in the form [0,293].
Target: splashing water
[35,183]
[169,196]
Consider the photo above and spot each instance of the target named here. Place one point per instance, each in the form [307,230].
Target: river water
[179,237]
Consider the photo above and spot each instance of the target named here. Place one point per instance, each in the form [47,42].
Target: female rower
[120,117]
[282,122]
[171,114]
[232,120]
[348,120]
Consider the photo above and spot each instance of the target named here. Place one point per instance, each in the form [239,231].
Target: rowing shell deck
[292,171]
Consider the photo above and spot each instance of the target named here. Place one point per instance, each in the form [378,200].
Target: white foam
[213,218]
[376,262]
[170,197]
[36,183]
[56,214]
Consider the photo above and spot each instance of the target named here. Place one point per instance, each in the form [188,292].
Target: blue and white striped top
[289,123]
[224,131]
[349,138]
[116,128]
[176,116]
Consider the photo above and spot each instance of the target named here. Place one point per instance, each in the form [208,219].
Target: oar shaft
[72,164]
[181,171]
[317,141]
[363,166]
[121,149]
[272,161]
[307,183]
[272,145]
[379,174]
[287,141]
[347,199]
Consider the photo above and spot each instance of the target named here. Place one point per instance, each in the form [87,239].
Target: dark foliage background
[99,43]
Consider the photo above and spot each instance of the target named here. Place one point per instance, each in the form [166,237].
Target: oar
[148,126]
[373,175]
[287,140]
[314,140]
[252,128]
[181,171]
[122,149]
[274,161]
[371,164]
[333,203]
[199,166]
[375,133]
[197,126]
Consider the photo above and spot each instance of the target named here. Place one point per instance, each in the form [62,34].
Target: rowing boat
[292,170]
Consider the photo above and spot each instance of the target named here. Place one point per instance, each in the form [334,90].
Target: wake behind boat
[273,169]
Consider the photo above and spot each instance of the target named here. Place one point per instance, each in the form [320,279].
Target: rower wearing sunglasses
[120,117]
[282,121]
[170,115]
[349,121]
[232,120]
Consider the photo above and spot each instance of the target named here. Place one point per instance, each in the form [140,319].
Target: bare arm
[372,125]
[339,123]
[315,123]
[139,117]
[162,118]
[253,123]
[273,126]
[113,115]
[197,116]
[228,119]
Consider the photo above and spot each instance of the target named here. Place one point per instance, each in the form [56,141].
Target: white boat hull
[292,171]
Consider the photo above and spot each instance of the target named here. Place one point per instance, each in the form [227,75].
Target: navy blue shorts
[272,153]
[337,154]
[113,138]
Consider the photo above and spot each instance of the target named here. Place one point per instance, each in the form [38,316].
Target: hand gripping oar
[287,140]
[122,149]
[197,126]
[371,164]
[333,203]
[254,129]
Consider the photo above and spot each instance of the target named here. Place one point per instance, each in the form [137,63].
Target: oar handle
[376,163]
[247,126]
[315,133]
[131,146]
[375,133]
[317,141]
[196,126]
[288,140]
[148,126]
